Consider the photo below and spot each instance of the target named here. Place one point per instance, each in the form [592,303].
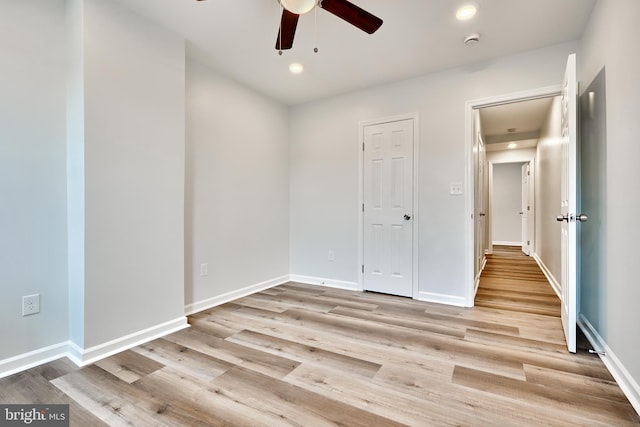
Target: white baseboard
[442,299]
[627,383]
[331,283]
[477,281]
[555,285]
[83,357]
[505,243]
[33,358]
[230,296]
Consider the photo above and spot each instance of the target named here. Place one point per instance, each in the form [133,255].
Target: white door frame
[416,204]
[492,101]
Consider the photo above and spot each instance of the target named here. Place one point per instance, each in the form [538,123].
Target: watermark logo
[34,415]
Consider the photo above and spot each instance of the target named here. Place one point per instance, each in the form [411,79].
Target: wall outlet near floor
[204,269]
[30,304]
[331,256]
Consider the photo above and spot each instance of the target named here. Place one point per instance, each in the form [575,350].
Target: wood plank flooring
[513,281]
[314,356]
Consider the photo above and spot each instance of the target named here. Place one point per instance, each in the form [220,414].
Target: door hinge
[363,268]
[363,146]
[528,208]
[528,173]
[363,207]
[528,242]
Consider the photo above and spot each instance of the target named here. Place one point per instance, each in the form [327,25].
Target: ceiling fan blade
[287,30]
[352,14]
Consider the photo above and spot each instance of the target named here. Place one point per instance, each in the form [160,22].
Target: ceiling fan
[292,9]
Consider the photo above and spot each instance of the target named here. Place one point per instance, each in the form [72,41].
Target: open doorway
[517,185]
[555,191]
[505,142]
[524,160]
[511,133]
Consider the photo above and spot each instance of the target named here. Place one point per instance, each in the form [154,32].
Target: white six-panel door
[568,203]
[524,209]
[388,207]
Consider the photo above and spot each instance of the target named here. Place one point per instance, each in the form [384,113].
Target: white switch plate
[455,189]
[204,269]
[30,304]
[331,256]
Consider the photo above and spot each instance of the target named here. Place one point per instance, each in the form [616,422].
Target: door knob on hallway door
[582,218]
[407,217]
[561,218]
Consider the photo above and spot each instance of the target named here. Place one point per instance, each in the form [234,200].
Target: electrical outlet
[204,269]
[332,256]
[30,304]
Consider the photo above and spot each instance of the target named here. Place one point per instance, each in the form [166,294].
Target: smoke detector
[472,39]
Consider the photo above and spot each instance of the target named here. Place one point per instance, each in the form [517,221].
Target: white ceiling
[237,38]
[524,117]
[504,146]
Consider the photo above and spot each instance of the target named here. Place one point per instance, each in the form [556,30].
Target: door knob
[407,217]
[582,218]
[482,214]
[561,218]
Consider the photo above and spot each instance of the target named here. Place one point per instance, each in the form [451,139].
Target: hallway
[513,281]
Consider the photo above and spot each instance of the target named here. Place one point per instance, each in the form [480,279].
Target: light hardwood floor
[315,356]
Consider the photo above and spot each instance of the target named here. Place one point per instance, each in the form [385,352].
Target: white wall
[506,221]
[75,168]
[33,226]
[134,76]
[324,165]
[237,187]
[547,191]
[610,40]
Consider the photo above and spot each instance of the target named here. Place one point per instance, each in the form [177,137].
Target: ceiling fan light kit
[299,7]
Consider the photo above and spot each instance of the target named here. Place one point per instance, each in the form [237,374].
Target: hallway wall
[547,184]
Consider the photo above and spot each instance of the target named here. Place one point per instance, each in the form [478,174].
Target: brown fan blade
[352,14]
[287,30]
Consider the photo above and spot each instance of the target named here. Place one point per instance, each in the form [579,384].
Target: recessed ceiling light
[466,12]
[296,68]
[512,145]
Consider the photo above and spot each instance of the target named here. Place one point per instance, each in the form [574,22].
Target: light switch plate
[455,189]
[204,269]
